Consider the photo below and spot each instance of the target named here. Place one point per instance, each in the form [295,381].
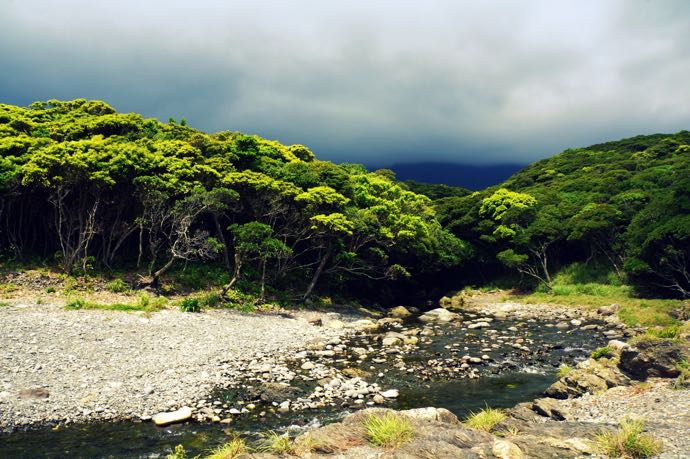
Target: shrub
[211,300]
[117,286]
[190,305]
[563,370]
[628,441]
[602,352]
[233,449]
[77,303]
[388,431]
[485,419]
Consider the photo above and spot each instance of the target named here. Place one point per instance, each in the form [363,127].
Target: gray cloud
[374,82]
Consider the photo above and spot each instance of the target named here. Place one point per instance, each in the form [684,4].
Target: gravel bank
[72,366]
[666,412]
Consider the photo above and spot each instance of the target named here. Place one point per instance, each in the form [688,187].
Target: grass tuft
[485,419]
[602,352]
[628,441]
[144,303]
[179,453]
[273,442]
[190,305]
[117,286]
[388,431]
[563,370]
[233,449]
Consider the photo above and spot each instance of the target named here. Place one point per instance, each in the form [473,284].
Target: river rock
[608,310]
[652,358]
[432,414]
[172,417]
[364,324]
[273,392]
[379,399]
[399,312]
[392,339]
[439,315]
[307,365]
[392,393]
[36,392]
[504,449]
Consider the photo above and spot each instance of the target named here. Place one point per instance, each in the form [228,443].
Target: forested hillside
[625,204]
[85,187]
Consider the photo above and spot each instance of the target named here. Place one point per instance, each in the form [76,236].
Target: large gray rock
[653,358]
[439,315]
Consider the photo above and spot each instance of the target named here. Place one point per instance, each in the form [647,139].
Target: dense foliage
[87,187]
[624,203]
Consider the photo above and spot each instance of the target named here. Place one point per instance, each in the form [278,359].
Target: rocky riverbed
[59,366]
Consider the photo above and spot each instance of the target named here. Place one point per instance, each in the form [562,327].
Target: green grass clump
[273,442]
[117,286]
[179,453]
[628,441]
[233,449]
[563,370]
[190,305]
[4,304]
[669,332]
[602,352]
[485,419]
[145,303]
[388,431]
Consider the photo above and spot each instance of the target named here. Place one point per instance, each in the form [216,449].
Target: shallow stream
[522,361]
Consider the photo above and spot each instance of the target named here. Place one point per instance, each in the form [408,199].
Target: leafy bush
[211,300]
[602,352]
[389,430]
[117,286]
[485,419]
[190,305]
[628,441]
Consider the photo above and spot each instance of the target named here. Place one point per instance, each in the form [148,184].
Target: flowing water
[428,378]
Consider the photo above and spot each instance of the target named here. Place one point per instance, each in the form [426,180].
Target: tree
[254,240]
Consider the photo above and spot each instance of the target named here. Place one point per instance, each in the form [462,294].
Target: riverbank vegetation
[143,203]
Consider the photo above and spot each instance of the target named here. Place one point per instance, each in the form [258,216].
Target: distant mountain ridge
[471,176]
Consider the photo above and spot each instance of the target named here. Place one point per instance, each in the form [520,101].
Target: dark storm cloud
[374,82]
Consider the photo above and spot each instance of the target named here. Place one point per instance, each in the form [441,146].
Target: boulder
[172,417]
[432,414]
[439,315]
[391,393]
[550,408]
[652,358]
[399,312]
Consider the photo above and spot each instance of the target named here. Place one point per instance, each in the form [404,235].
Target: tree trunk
[235,274]
[317,273]
[221,236]
[155,277]
[263,280]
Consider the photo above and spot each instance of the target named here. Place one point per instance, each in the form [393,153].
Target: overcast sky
[371,81]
